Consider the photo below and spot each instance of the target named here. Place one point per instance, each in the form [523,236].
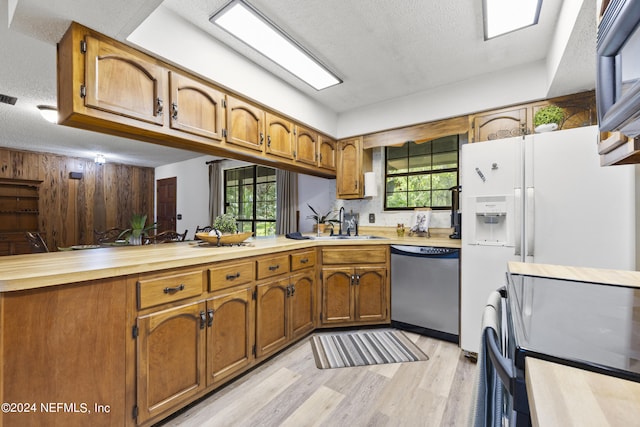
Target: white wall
[192,180]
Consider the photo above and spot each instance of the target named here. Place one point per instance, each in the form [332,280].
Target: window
[250,195]
[421,175]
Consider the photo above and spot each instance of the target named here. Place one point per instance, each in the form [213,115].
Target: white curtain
[286,201]
[216,197]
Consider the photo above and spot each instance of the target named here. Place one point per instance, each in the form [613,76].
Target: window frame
[418,173]
[254,220]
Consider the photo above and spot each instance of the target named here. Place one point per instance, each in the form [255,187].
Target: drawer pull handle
[304,260]
[274,267]
[233,276]
[174,290]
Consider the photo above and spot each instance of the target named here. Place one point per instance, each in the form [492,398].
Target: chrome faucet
[341,219]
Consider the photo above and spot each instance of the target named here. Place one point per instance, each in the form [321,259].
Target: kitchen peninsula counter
[128,335]
[20,272]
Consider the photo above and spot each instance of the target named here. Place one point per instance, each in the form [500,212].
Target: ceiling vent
[6,99]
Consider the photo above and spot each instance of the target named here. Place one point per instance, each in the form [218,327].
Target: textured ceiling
[382,49]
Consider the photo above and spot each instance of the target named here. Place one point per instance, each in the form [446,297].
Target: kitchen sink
[345,237]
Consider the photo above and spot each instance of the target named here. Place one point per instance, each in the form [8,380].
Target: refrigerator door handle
[517,195]
[531,197]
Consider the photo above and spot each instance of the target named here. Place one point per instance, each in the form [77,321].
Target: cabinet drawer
[273,266]
[302,260]
[169,288]
[363,255]
[227,275]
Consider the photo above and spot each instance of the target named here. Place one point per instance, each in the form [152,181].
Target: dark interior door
[166,204]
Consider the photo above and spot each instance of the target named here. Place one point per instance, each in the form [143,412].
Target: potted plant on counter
[320,222]
[225,224]
[136,233]
[548,118]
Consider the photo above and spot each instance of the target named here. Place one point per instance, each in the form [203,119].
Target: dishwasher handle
[425,251]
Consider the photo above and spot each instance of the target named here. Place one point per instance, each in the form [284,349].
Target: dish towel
[296,236]
[488,389]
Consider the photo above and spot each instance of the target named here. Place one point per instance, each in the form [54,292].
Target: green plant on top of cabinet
[306,145]
[245,124]
[122,83]
[195,107]
[280,134]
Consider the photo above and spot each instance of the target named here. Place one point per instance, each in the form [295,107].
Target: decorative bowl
[225,239]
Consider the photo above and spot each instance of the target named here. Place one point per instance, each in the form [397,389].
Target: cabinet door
[327,153]
[171,358]
[349,179]
[371,293]
[230,334]
[337,295]
[306,145]
[122,83]
[279,136]
[301,303]
[245,124]
[499,124]
[195,107]
[271,312]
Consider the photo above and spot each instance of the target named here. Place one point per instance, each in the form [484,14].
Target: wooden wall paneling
[106,195]
[99,206]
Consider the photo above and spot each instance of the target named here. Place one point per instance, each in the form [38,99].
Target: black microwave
[618,68]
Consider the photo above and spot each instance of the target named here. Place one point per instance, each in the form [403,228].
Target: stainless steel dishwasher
[425,289]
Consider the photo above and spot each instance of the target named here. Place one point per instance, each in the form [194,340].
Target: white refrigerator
[540,198]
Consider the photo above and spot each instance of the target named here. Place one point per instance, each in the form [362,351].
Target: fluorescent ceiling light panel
[504,16]
[249,26]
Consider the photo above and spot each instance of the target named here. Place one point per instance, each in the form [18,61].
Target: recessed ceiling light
[252,28]
[505,16]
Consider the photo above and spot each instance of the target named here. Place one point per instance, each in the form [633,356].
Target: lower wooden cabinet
[284,311]
[354,294]
[171,358]
[230,334]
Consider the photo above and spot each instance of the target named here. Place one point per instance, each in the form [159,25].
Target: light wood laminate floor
[289,390]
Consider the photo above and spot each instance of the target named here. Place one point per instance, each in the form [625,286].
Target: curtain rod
[209,162]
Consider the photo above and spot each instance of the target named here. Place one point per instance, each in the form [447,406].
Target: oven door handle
[501,364]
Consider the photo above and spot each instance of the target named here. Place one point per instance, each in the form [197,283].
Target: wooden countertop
[565,396]
[578,274]
[19,272]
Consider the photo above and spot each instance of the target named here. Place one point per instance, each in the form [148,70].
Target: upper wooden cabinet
[579,109]
[500,124]
[245,124]
[109,87]
[349,175]
[195,107]
[280,133]
[306,145]
[327,153]
[122,83]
